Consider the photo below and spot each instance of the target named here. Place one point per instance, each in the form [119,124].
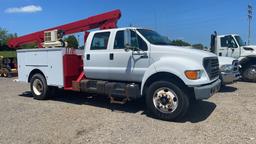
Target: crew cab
[125,64]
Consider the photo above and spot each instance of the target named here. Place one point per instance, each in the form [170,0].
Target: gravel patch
[71,118]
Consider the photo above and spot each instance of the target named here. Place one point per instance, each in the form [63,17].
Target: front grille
[236,65]
[211,65]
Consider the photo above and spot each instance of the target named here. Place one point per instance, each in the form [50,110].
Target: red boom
[103,21]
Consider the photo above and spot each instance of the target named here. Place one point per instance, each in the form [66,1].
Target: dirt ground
[227,117]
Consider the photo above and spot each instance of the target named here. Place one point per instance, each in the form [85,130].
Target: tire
[178,105]
[1,73]
[39,88]
[249,73]
[4,72]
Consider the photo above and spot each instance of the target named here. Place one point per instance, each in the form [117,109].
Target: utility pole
[250,20]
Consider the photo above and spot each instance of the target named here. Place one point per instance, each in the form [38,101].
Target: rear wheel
[166,101]
[249,73]
[39,87]
[1,72]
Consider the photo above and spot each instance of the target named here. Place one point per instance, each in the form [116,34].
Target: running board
[117,92]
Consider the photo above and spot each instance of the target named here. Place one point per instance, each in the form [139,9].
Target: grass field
[8,53]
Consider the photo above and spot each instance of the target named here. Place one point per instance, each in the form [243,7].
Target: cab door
[128,65]
[228,47]
[234,47]
[96,56]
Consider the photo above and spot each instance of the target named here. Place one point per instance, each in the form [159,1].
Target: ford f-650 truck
[127,63]
[123,64]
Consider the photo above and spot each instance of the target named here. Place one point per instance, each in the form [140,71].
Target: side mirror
[127,40]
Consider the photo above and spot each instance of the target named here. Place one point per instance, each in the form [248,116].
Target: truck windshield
[154,38]
[240,41]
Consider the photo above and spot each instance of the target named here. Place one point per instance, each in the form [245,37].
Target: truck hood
[250,48]
[187,52]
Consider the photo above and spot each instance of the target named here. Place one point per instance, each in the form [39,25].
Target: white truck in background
[125,64]
[231,45]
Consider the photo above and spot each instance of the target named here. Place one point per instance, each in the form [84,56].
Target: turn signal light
[193,74]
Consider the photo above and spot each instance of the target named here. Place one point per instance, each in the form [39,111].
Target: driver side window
[136,41]
[228,41]
[231,42]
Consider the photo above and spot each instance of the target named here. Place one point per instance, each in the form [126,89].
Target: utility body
[125,64]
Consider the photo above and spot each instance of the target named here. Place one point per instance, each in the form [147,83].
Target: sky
[190,20]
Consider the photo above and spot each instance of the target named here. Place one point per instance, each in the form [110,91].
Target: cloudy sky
[24,9]
[192,21]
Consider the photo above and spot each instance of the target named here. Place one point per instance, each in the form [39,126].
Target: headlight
[226,68]
[193,74]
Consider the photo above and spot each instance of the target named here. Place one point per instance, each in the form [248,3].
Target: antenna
[250,20]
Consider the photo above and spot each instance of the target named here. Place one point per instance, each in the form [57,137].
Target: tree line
[4,37]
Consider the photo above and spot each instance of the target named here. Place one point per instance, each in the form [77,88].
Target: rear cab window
[119,40]
[100,41]
[223,41]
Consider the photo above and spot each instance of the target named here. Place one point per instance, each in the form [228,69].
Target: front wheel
[166,101]
[249,73]
[39,87]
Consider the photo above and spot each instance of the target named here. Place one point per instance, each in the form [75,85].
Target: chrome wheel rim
[38,87]
[165,100]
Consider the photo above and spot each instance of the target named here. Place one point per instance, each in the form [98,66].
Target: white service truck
[231,45]
[125,64]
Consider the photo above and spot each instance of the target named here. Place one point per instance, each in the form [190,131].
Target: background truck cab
[231,45]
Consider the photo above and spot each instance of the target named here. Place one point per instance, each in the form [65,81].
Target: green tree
[72,41]
[198,46]
[180,43]
[81,47]
[4,37]
[29,46]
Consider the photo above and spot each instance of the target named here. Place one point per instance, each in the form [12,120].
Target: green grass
[8,53]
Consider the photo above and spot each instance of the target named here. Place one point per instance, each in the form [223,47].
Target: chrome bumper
[229,78]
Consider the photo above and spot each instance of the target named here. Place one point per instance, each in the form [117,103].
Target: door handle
[88,57]
[144,56]
[111,56]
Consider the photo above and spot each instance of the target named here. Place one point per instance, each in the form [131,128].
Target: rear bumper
[206,91]
[229,78]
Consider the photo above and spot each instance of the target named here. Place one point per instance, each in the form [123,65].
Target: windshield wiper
[161,43]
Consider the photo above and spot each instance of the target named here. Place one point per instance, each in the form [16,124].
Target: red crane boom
[102,21]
